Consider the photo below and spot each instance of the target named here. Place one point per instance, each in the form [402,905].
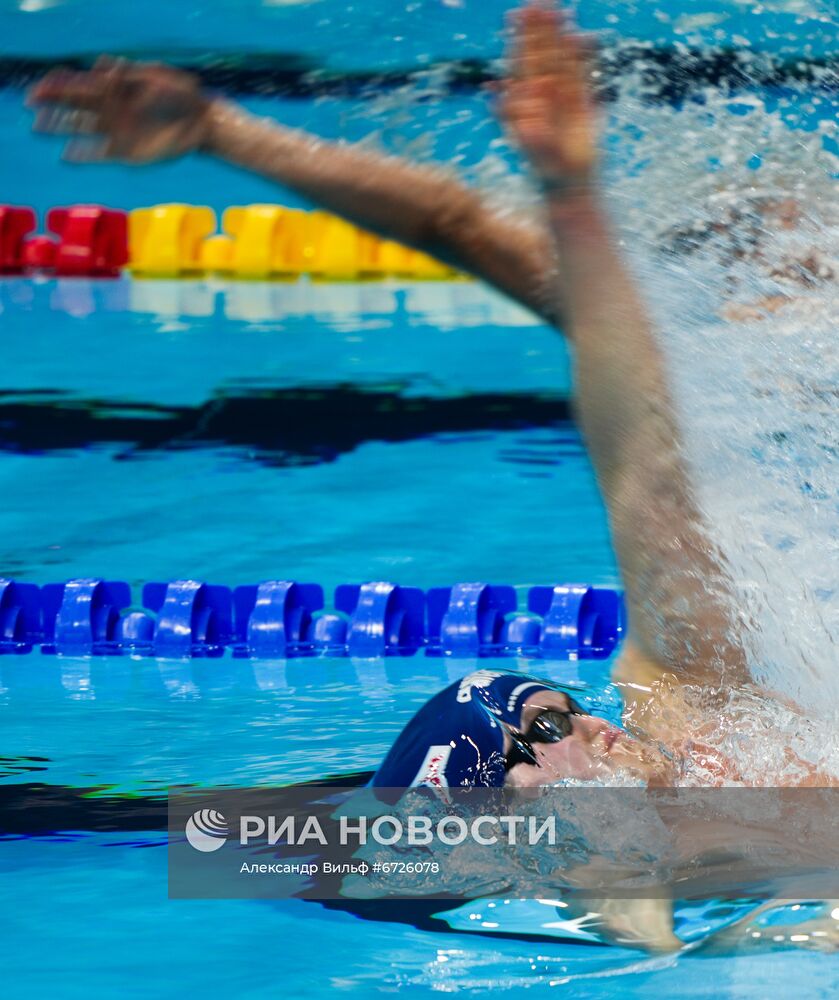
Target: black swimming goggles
[549,726]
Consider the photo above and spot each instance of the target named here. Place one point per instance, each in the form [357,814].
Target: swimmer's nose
[588,727]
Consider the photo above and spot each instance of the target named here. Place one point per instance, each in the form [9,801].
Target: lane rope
[281,618]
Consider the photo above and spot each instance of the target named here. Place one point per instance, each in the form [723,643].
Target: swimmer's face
[593,749]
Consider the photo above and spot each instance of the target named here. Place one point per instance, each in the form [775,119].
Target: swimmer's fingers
[533,50]
[124,111]
[546,43]
[527,109]
[554,126]
[89,150]
[59,120]
[76,104]
[545,48]
[90,101]
[114,148]
[533,102]
[540,35]
[79,103]
[75,90]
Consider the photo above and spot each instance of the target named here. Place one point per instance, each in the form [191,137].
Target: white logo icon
[206,830]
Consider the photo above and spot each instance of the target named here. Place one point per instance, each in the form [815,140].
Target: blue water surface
[86,914]
[342,35]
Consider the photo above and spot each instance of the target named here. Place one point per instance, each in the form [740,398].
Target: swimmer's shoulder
[636,670]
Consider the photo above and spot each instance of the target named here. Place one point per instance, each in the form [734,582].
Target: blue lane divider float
[281,618]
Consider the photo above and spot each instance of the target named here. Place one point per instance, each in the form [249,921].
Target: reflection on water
[342,306]
[284,427]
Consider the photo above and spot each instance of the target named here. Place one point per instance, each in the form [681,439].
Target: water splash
[733,233]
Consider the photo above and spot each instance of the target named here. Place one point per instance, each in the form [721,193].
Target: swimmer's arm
[645,924]
[675,586]
[426,207]
[144,113]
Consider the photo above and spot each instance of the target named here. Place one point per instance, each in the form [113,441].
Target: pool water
[89,912]
[233,433]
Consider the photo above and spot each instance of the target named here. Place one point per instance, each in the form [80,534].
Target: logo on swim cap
[206,830]
[479,679]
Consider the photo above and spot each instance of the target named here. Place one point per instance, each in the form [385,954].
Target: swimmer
[684,661]
[492,729]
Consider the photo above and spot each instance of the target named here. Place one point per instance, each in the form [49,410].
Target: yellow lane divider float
[264,242]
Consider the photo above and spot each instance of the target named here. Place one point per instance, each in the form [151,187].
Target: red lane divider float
[91,242]
[15,225]
[88,241]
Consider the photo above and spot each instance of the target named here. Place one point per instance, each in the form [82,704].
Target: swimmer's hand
[123,112]
[547,104]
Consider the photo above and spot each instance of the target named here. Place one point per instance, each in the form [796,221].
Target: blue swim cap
[455,739]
